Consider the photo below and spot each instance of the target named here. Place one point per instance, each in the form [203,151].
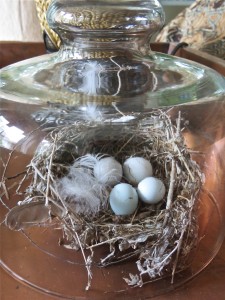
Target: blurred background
[19,21]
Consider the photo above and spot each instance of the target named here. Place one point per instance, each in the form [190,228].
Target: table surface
[208,285]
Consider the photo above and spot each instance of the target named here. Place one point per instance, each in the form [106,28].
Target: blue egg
[123,199]
[151,190]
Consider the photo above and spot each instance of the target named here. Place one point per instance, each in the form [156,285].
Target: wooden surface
[11,52]
[208,285]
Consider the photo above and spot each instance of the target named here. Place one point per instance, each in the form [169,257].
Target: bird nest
[158,238]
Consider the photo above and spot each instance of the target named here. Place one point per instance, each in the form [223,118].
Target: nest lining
[158,238]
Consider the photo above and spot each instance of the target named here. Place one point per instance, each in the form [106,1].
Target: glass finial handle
[123,22]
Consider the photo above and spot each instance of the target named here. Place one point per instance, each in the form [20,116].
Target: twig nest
[151,190]
[108,171]
[85,190]
[136,169]
[123,199]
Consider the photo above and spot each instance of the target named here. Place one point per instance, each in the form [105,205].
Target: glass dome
[105,94]
[105,57]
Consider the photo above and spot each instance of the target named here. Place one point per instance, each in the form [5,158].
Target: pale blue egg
[123,199]
[136,168]
[151,190]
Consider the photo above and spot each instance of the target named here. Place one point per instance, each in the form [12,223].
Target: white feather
[80,189]
[86,161]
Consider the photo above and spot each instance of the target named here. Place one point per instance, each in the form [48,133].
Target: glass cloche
[112,169]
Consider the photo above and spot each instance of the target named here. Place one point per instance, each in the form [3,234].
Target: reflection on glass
[9,135]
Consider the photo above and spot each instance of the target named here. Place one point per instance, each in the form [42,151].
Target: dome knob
[105,18]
